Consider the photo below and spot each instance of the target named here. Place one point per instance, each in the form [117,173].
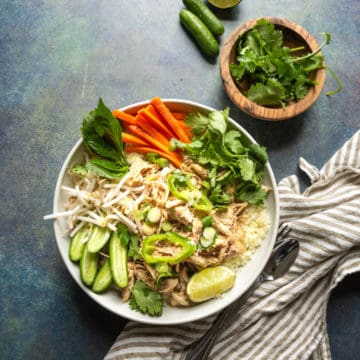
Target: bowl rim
[250,107]
[134,315]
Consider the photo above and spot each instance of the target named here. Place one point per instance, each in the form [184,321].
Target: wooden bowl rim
[251,108]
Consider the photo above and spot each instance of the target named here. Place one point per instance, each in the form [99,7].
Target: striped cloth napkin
[285,318]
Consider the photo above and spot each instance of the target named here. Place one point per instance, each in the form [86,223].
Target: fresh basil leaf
[79,170]
[106,168]
[102,133]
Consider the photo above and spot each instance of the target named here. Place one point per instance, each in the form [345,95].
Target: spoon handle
[201,349]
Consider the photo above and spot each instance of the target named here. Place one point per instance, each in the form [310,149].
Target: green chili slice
[151,244]
[180,185]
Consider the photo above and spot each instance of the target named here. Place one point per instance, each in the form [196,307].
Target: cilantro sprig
[276,77]
[235,166]
[145,300]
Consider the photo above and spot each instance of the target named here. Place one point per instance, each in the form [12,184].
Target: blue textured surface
[56,59]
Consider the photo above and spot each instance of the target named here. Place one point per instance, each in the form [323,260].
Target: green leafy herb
[275,76]
[219,197]
[145,300]
[251,193]
[101,134]
[129,240]
[163,271]
[207,221]
[230,159]
[134,251]
[156,159]
[102,167]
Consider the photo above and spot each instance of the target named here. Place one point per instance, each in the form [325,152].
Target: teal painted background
[57,58]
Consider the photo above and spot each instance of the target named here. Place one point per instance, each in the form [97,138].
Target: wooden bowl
[293,35]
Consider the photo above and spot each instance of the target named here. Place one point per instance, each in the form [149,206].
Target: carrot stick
[145,150]
[170,120]
[132,139]
[179,115]
[144,124]
[155,119]
[122,115]
[148,138]
[185,128]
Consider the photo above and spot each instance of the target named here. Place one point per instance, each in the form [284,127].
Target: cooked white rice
[256,223]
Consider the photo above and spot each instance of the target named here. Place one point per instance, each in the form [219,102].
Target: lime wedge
[224,4]
[209,283]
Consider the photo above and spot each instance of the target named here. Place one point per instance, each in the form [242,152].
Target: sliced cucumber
[154,215]
[88,266]
[103,278]
[98,238]
[148,229]
[77,243]
[206,221]
[208,237]
[166,226]
[118,260]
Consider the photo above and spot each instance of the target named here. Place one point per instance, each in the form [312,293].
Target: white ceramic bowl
[111,299]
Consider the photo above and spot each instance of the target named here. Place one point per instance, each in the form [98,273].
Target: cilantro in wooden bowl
[272,68]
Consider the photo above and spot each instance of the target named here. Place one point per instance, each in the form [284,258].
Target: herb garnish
[276,77]
[145,300]
[235,166]
[101,134]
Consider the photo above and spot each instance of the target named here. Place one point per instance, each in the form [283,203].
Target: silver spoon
[279,263]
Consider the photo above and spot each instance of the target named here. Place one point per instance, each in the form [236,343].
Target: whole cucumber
[202,35]
[200,9]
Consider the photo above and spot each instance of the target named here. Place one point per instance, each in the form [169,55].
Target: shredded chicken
[107,203]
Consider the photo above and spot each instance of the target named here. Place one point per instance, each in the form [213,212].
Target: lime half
[209,283]
[224,4]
